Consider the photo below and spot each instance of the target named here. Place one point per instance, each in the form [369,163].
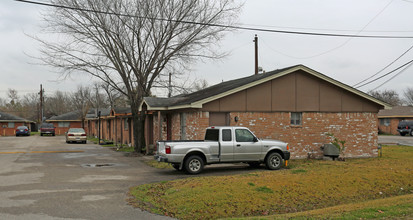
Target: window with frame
[385,121]
[10,125]
[296,118]
[125,124]
[243,135]
[226,135]
[63,124]
[183,125]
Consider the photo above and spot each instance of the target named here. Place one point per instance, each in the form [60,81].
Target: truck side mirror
[255,139]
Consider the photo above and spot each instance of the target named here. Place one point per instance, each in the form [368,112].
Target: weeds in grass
[263,189]
[323,184]
[298,171]
[159,165]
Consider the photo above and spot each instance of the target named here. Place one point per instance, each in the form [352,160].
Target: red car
[47,128]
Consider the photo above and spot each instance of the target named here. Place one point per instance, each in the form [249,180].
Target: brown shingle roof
[11,118]
[396,111]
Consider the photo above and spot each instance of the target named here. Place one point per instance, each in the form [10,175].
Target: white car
[76,135]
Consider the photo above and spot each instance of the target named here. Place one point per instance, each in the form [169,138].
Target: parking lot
[45,178]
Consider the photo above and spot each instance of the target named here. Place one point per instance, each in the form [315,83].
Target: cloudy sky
[349,60]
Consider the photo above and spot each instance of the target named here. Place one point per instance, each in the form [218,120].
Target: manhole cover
[99,165]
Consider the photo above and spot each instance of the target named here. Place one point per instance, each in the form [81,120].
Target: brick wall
[391,128]
[63,130]
[196,123]
[6,131]
[359,130]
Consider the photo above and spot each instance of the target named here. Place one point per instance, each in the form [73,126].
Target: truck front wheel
[194,164]
[274,161]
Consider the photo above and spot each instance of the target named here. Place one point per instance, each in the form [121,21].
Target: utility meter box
[331,150]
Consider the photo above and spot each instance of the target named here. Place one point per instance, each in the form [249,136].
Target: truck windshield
[212,135]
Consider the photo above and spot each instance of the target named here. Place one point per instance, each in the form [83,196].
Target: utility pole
[170,86]
[99,126]
[41,103]
[256,54]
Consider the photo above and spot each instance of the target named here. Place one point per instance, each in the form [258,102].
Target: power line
[405,68]
[220,25]
[384,67]
[340,45]
[411,61]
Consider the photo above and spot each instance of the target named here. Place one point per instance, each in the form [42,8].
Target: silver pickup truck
[223,145]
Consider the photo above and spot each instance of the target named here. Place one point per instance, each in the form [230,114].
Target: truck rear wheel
[274,161]
[194,164]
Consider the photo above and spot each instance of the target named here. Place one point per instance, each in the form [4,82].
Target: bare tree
[13,96]
[389,96]
[114,97]
[408,96]
[57,104]
[31,106]
[81,100]
[98,99]
[131,44]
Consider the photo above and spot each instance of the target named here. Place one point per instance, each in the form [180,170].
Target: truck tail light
[288,147]
[168,149]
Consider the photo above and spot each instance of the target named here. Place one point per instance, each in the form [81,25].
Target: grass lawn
[356,188]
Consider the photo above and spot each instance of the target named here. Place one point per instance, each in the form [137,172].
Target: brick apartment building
[390,118]
[9,124]
[297,105]
[65,121]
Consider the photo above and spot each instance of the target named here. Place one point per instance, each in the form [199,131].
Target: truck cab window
[226,135]
[212,135]
[243,135]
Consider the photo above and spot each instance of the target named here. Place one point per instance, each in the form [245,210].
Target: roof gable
[199,98]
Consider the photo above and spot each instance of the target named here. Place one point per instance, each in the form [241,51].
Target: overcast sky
[349,60]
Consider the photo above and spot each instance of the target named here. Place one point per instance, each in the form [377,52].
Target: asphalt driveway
[45,178]
[397,140]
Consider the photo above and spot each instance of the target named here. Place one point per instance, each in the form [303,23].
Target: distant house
[390,118]
[297,105]
[9,123]
[115,125]
[65,121]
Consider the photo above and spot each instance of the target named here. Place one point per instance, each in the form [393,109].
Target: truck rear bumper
[286,155]
[160,158]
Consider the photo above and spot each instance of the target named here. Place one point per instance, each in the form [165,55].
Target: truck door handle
[238,145]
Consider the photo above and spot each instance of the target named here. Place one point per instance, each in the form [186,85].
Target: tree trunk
[138,120]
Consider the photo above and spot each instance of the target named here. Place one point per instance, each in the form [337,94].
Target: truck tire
[194,164]
[274,161]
